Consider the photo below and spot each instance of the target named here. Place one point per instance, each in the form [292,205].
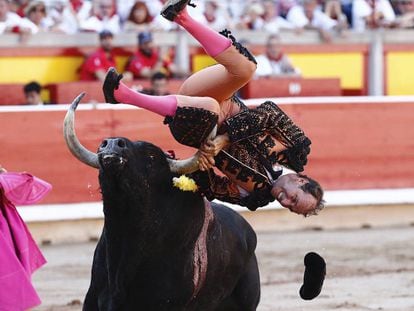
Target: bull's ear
[76,148]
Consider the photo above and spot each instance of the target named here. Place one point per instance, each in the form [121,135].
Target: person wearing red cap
[147,60]
[95,65]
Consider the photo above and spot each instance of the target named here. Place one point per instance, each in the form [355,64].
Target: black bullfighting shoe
[111,84]
[172,8]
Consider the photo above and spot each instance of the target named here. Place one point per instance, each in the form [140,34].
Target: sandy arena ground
[367,269]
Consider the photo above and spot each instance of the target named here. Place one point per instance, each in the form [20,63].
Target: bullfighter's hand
[215,145]
[205,161]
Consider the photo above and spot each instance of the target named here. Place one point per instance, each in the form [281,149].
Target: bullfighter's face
[288,191]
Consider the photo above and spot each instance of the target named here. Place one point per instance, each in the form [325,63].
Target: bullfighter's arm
[213,186]
[269,118]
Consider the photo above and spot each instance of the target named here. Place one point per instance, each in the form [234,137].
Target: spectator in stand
[372,14]
[346,8]
[32,92]
[273,22]
[36,13]
[236,10]
[158,22]
[11,22]
[405,17]
[148,60]
[310,16]
[82,9]
[104,18]
[67,15]
[18,6]
[284,7]
[274,63]
[63,17]
[96,64]
[252,19]
[214,16]
[333,9]
[159,85]
[139,18]
[123,8]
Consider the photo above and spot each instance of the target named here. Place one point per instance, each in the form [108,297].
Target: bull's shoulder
[233,223]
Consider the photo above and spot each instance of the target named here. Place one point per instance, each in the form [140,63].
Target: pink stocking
[162,105]
[212,42]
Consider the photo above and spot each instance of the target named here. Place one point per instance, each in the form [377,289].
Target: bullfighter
[19,255]
[252,145]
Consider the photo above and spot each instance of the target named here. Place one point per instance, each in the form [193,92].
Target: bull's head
[115,145]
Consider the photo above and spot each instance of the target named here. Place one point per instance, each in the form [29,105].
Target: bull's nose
[112,144]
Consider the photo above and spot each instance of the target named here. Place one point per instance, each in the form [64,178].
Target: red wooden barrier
[62,93]
[288,87]
[12,94]
[355,146]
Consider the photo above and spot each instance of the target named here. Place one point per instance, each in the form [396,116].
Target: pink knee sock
[212,42]
[162,105]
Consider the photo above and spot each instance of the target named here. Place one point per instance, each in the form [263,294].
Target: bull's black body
[144,258]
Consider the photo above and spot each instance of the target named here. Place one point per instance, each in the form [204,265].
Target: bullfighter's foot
[111,83]
[173,7]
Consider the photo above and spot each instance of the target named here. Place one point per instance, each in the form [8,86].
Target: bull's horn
[79,151]
[189,165]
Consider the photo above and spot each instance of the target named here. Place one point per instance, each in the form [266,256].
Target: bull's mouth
[112,159]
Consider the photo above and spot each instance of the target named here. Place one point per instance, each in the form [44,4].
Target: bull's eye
[104,143]
[121,143]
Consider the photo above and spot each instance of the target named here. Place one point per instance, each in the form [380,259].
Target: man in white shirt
[11,22]
[274,63]
[105,18]
[310,16]
[363,17]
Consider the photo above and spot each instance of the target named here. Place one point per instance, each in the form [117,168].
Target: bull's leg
[235,64]
[246,294]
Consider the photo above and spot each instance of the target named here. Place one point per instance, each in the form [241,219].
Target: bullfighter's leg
[190,118]
[235,67]
[116,91]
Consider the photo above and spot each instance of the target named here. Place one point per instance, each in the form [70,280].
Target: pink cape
[19,254]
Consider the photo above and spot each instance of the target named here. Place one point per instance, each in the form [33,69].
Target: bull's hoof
[111,84]
[315,271]
[173,7]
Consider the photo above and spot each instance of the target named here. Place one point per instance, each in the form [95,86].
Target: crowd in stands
[326,16]
[108,18]
[147,60]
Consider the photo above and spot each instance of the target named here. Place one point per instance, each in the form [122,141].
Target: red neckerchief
[76,4]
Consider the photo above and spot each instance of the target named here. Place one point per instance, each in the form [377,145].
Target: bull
[162,248]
